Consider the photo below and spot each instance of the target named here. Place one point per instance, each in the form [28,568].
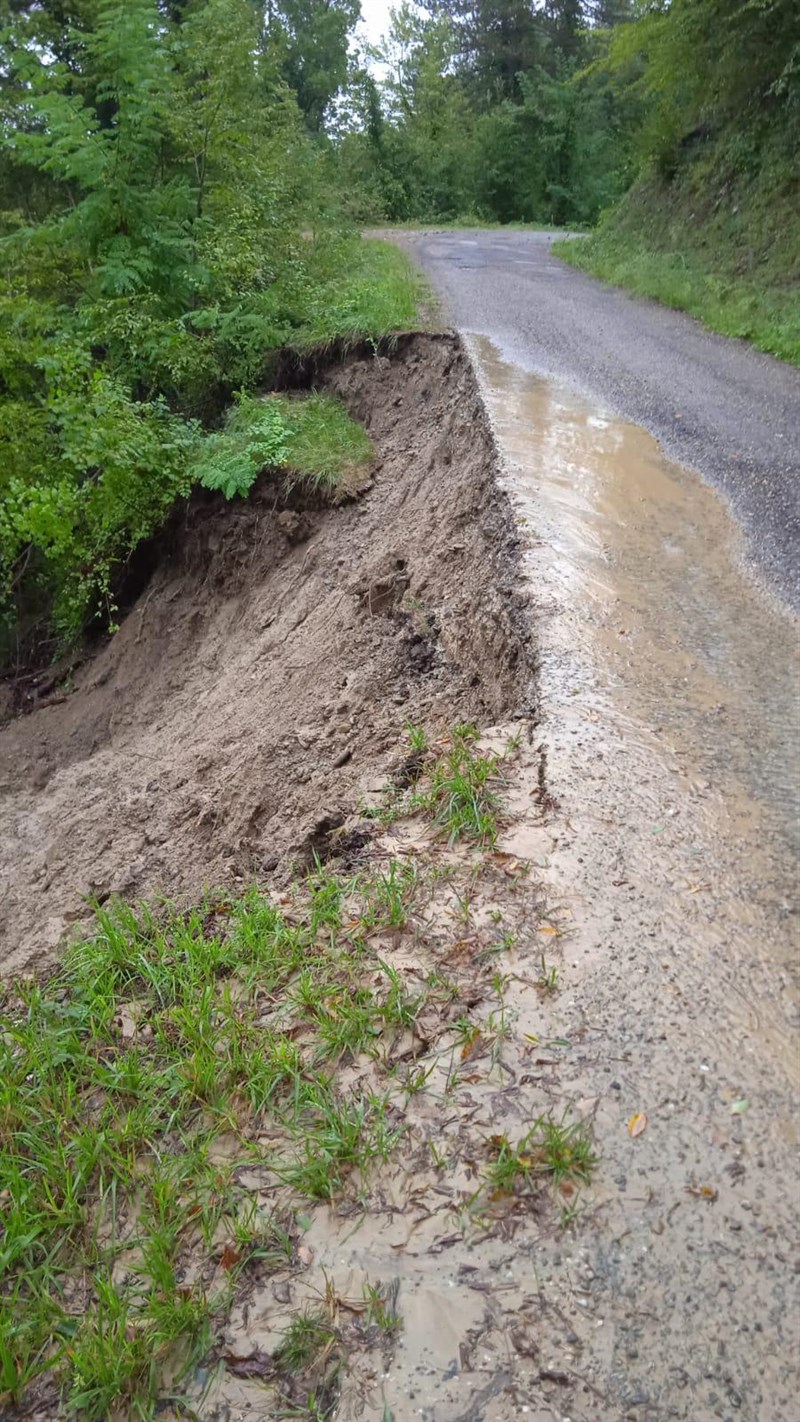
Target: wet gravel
[716,404]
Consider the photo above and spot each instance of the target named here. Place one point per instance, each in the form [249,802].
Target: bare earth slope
[270,666]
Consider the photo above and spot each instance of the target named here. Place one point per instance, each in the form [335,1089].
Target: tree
[565,19]
[312,37]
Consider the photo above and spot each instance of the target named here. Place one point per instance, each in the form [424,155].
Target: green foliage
[711,225]
[312,38]
[313,437]
[93,474]
[157,187]
[511,112]
[498,109]
[253,439]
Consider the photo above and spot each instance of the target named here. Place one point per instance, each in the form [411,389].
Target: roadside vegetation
[180,186]
[189,1085]
[165,230]
[711,224]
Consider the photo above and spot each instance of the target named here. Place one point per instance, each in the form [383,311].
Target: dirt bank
[260,683]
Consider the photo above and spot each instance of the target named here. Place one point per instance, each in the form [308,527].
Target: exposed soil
[262,680]
[605,966]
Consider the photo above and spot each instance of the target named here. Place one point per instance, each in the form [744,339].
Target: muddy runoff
[614,969]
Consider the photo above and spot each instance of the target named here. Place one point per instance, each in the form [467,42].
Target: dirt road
[714,404]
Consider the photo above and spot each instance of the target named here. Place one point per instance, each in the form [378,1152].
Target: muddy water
[667,673]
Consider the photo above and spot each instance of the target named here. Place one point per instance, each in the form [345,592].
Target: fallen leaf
[471,1045]
[703,1192]
[126,1024]
[739,1107]
[258,1365]
[637,1124]
[229,1257]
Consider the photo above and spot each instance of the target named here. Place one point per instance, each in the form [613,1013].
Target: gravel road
[715,404]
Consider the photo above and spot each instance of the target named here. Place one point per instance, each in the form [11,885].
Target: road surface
[715,404]
[667,709]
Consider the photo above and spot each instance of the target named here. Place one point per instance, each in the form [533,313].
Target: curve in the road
[715,404]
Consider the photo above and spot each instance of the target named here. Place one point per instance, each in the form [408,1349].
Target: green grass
[547,980]
[732,306]
[460,793]
[158,1036]
[718,239]
[323,442]
[456,787]
[312,438]
[369,290]
[309,1338]
[561,1150]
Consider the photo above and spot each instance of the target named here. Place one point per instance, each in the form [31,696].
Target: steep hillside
[720,244]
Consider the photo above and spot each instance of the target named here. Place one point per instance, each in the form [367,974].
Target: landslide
[259,686]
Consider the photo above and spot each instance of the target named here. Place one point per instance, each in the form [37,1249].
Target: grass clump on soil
[454,784]
[561,1150]
[323,442]
[314,438]
[134,1084]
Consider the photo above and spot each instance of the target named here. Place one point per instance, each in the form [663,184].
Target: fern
[254,438]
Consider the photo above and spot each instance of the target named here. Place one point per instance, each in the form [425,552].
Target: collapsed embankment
[261,681]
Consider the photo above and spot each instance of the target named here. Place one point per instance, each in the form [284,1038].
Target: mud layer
[261,682]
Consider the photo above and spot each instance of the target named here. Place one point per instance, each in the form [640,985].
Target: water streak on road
[670,691]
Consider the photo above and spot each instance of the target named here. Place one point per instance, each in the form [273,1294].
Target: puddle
[670,688]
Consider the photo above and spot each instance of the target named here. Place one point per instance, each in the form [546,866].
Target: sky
[374,19]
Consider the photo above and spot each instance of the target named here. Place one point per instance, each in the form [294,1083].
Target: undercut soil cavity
[259,687]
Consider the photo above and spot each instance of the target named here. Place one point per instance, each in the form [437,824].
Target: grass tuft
[560,1150]
[158,1036]
[323,442]
[460,793]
